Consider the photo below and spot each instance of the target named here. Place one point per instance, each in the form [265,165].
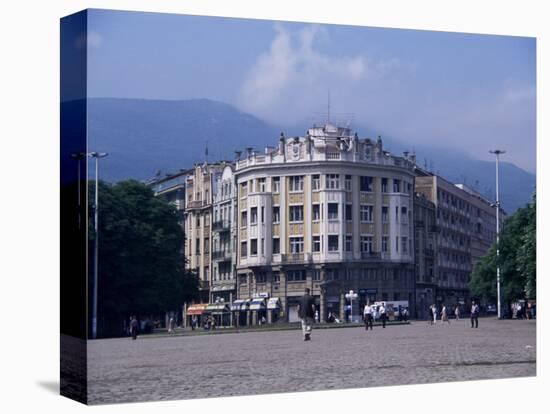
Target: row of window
[332,182]
[334,274]
[296,214]
[296,244]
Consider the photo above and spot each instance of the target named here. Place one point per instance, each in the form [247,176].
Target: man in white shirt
[367,316]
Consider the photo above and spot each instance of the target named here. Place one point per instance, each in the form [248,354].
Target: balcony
[295,258]
[371,255]
[221,225]
[196,204]
[221,255]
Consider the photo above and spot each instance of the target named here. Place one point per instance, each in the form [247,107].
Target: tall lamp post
[497,153]
[351,295]
[97,156]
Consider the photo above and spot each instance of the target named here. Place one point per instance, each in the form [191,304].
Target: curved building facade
[328,211]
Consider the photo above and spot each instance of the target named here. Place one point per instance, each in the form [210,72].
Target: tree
[141,263]
[517,260]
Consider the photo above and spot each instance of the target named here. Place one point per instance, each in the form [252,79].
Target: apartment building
[328,211]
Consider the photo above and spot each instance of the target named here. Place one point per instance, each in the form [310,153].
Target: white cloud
[289,82]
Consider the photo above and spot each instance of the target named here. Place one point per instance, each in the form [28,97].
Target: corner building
[328,211]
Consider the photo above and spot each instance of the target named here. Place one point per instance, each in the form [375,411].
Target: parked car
[491,309]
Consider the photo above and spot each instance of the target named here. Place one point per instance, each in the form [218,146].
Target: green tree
[141,263]
[517,260]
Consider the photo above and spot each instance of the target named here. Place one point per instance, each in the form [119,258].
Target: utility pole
[497,153]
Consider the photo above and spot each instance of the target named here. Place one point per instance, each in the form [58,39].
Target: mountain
[144,136]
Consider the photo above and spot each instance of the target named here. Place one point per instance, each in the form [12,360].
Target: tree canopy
[517,260]
[141,263]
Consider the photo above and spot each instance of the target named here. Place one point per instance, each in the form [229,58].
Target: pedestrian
[431,315]
[171,325]
[367,316]
[134,327]
[405,314]
[444,317]
[317,320]
[434,313]
[474,313]
[306,312]
[383,314]
[193,322]
[457,312]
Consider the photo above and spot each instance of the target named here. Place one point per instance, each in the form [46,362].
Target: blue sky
[474,92]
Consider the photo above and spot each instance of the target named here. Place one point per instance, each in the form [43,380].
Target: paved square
[165,368]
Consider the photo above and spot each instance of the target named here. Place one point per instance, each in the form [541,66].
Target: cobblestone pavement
[165,368]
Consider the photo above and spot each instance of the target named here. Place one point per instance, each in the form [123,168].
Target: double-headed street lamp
[351,295]
[97,156]
[498,152]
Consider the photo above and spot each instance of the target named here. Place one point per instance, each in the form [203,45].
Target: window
[316,212]
[365,184]
[384,244]
[296,276]
[253,247]
[332,211]
[275,277]
[316,242]
[296,245]
[253,215]
[206,245]
[276,246]
[404,215]
[262,247]
[260,277]
[243,218]
[276,215]
[397,214]
[315,182]
[404,245]
[396,244]
[349,243]
[198,246]
[384,185]
[316,275]
[332,274]
[275,184]
[244,248]
[296,213]
[348,212]
[262,215]
[396,186]
[366,244]
[261,185]
[296,183]
[198,221]
[348,182]
[385,214]
[332,243]
[366,213]
[333,181]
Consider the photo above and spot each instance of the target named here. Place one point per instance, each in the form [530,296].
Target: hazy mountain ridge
[144,136]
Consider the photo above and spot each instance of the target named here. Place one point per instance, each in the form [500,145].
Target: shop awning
[257,304]
[274,303]
[217,308]
[196,309]
[240,305]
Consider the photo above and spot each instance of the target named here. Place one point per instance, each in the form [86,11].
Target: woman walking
[444,317]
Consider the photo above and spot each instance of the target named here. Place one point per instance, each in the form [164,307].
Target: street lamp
[498,152]
[78,156]
[97,156]
[351,295]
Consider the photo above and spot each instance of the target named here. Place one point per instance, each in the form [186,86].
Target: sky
[466,91]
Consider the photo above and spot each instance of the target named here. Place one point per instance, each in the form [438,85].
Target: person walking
[431,315]
[434,313]
[367,316]
[444,317]
[457,312]
[306,312]
[134,327]
[474,313]
[383,314]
